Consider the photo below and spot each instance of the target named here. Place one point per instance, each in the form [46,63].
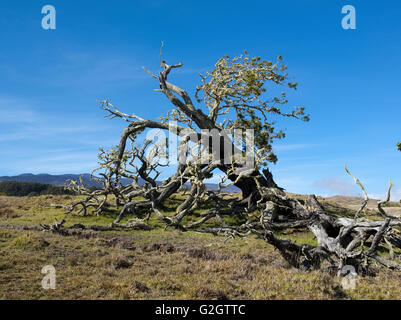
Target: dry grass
[158,264]
[353,203]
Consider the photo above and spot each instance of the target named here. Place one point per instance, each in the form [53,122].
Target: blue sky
[349,80]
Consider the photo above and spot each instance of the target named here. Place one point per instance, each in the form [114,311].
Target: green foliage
[236,92]
[399,146]
[31,189]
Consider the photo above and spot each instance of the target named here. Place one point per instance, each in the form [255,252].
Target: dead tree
[235,87]
[341,241]
[233,97]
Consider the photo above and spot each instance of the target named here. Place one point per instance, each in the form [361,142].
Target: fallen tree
[341,241]
[233,94]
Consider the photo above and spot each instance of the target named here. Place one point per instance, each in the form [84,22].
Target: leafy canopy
[236,96]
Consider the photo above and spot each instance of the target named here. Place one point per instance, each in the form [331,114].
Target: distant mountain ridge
[55,180]
[60,180]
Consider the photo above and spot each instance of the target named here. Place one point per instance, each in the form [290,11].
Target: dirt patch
[211,293]
[206,254]
[123,242]
[162,247]
[191,252]
[137,287]
[122,263]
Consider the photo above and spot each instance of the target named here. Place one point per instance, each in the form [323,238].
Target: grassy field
[158,264]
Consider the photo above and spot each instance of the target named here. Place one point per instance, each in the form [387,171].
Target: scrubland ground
[158,264]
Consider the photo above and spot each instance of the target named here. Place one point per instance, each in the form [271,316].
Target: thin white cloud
[394,196]
[14,111]
[19,120]
[71,162]
[335,186]
[37,132]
